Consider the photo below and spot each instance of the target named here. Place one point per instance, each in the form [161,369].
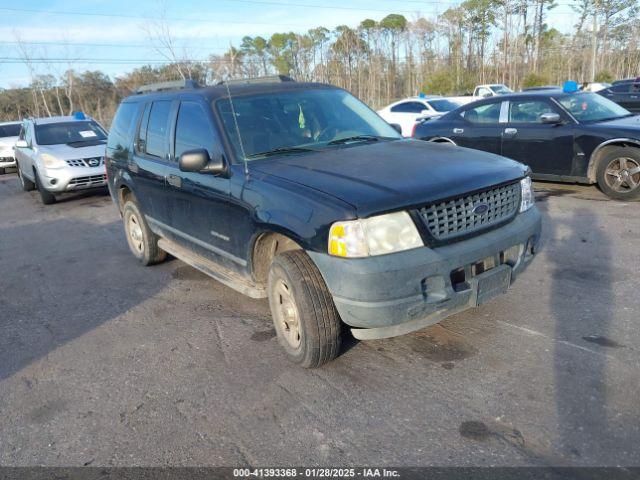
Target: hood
[387,176]
[8,142]
[66,152]
[626,123]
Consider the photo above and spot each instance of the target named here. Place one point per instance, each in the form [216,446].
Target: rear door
[479,127]
[202,216]
[546,148]
[150,159]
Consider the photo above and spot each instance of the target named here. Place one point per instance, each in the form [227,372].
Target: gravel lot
[106,362]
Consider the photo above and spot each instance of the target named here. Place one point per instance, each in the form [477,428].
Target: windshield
[300,119]
[443,105]
[501,89]
[591,107]
[11,130]
[69,132]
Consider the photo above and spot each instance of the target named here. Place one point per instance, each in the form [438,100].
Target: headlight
[393,232]
[52,162]
[526,194]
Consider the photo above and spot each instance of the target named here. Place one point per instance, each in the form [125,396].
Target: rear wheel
[142,241]
[45,195]
[306,320]
[27,185]
[618,173]
[2,171]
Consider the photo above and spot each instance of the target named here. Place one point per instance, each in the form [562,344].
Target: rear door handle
[458,130]
[510,131]
[174,180]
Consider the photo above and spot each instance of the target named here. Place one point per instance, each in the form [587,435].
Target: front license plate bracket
[491,283]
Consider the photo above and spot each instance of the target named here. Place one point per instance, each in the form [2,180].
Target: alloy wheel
[623,174]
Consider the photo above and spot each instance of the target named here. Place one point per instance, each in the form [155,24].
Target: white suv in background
[9,132]
[406,112]
[61,154]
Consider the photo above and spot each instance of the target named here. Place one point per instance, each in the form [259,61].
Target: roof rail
[266,79]
[157,87]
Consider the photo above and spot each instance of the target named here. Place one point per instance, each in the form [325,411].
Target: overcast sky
[110,35]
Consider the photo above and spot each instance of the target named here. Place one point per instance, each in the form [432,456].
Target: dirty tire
[27,185]
[45,195]
[2,171]
[624,185]
[294,276]
[142,241]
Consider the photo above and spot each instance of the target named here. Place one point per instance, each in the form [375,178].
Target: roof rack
[267,79]
[158,87]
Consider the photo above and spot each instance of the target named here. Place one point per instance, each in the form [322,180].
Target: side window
[193,129]
[620,88]
[484,114]
[528,111]
[22,132]
[408,107]
[635,88]
[484,92]
[121,127]
[157,129]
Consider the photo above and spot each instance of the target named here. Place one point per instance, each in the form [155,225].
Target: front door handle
[174,180]
[458,130]
[510,131]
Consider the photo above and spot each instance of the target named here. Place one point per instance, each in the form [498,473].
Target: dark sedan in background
[571,137]
[625,93]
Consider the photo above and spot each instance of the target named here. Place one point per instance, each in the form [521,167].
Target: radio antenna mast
[235,122]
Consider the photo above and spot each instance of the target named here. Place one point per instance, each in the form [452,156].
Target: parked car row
[561,135]
[300,193]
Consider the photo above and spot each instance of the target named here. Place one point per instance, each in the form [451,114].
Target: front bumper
[7,162]
[402,292]
[71,179]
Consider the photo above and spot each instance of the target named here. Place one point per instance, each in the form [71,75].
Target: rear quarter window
[120,134]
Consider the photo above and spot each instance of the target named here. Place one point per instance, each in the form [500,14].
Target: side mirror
[22,144]
[397,127]
[550,118]
[198,160]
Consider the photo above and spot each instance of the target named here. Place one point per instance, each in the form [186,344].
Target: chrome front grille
[88,181]
[86,162]
[470,214]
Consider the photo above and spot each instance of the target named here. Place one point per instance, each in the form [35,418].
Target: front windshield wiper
[281,150]
[357,138]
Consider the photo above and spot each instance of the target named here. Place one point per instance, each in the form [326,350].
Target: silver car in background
[61,154]
[9,132]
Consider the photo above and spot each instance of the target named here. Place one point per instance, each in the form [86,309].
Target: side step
[228,277]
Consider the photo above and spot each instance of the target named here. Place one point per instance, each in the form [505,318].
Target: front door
[545,148]
[202,216]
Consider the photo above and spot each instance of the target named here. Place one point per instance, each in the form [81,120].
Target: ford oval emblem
[480,209]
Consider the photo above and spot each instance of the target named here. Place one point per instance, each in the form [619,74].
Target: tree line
[477,41]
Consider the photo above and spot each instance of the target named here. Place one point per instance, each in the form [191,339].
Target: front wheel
[142,241]
[306,320]
[27,185]
[45,195]
[618,173]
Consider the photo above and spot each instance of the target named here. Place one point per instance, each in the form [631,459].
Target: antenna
[235,122]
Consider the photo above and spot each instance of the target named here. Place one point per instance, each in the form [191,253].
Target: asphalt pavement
[106,362]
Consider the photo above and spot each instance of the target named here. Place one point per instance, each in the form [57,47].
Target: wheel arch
[265,246]
[442,140]
[602,148]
